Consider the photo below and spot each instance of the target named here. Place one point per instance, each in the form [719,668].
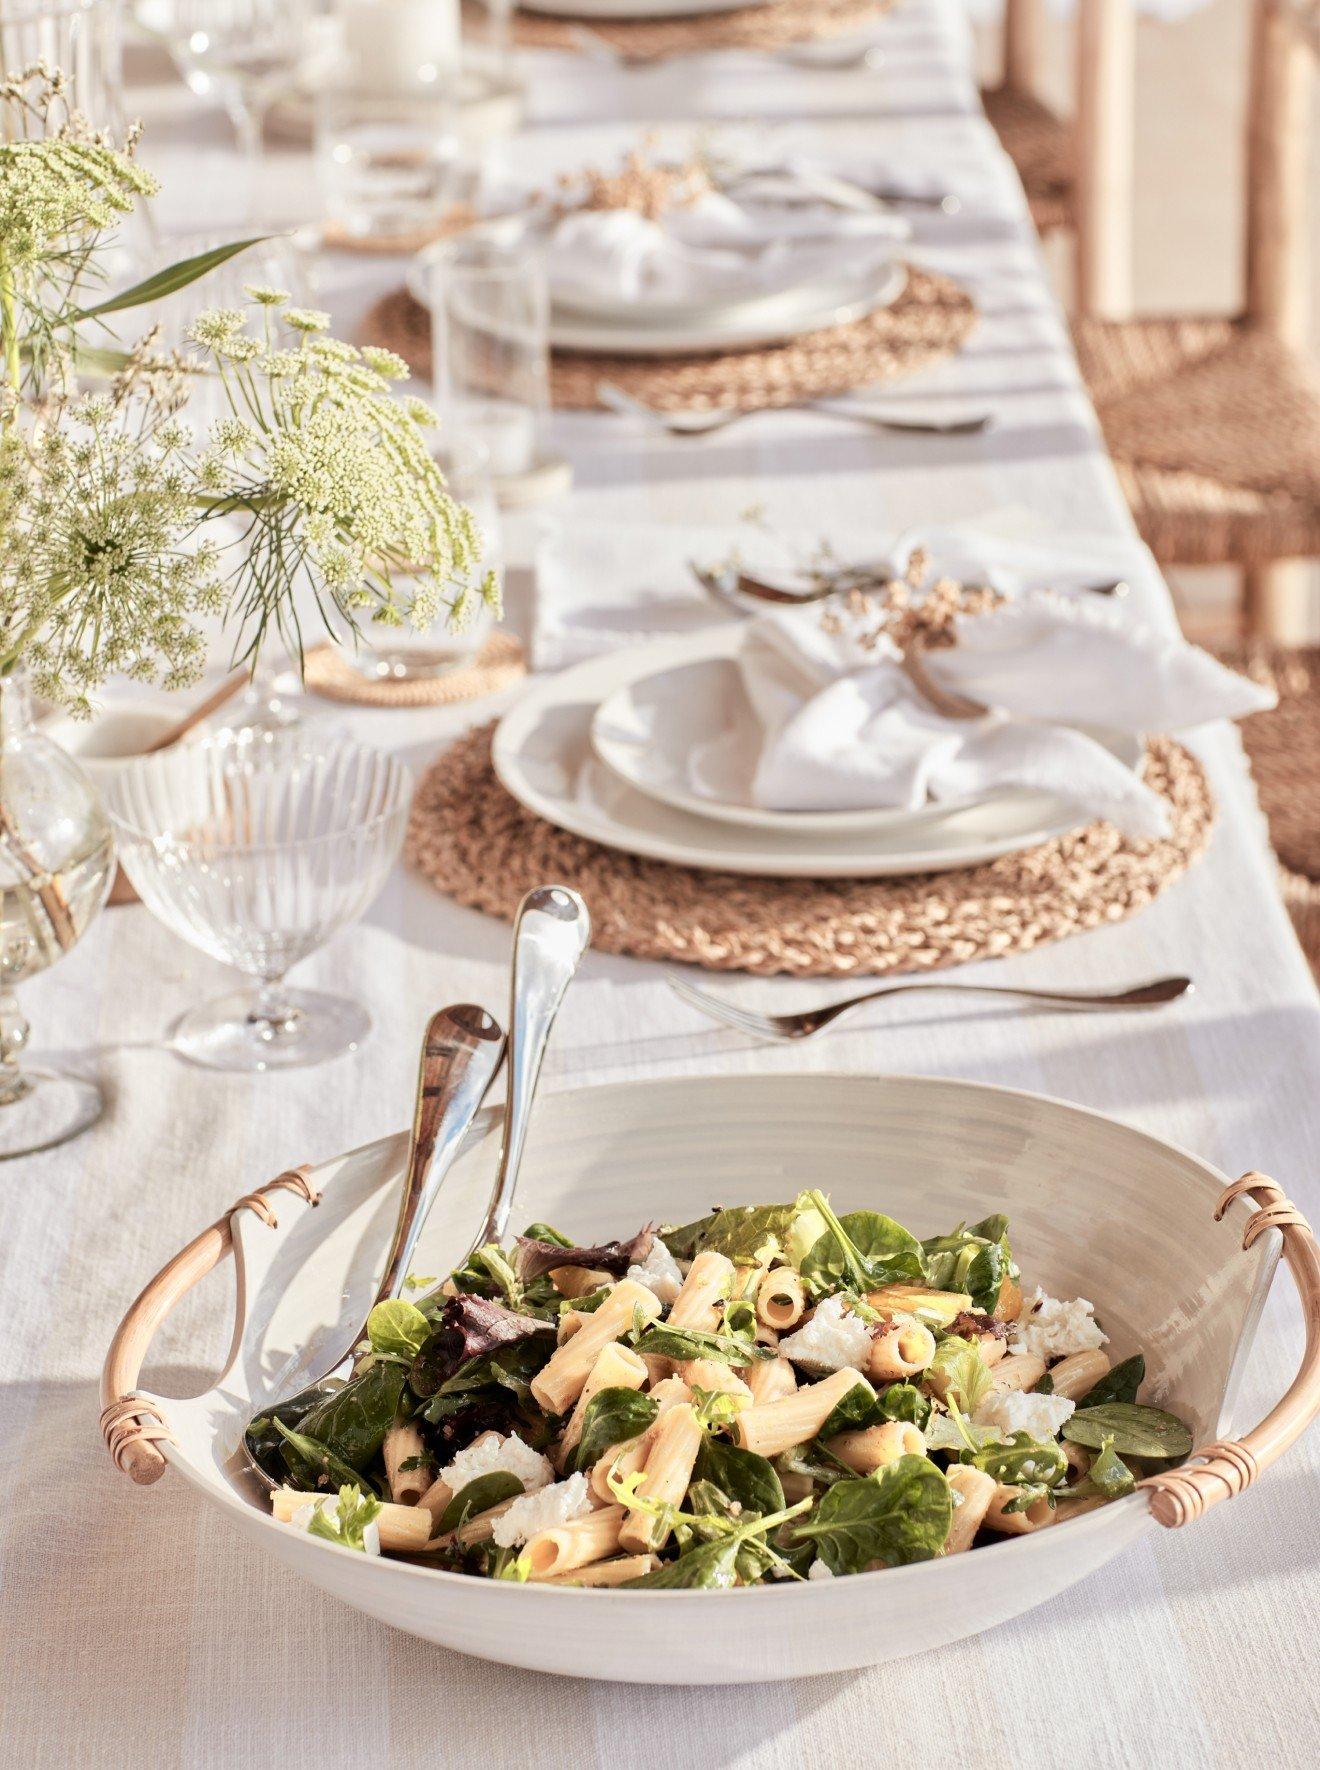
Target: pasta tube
[875,1446]
[973,1491]
[404,1529]
[941,1307]
[403,1444]
[775,1426]
[665,1477]
[781,1300]
[900,1351]
[1036,1517]
[708,1283]
[1020,1370]
[712,1376]
[1073,1376]
[578,1281]
[606,1573]
[557,1385]
[771,1379]
[615,1368]
[575,1544]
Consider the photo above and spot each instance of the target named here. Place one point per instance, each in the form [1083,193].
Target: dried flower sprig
[906,611]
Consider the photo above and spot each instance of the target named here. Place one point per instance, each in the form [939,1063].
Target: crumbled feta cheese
[371,1537]
[1039,1416]
[303,1515]
[491,1453]
[1054,1329]
[659,1272]
[831,1340]
[818,1570]
[542,1510]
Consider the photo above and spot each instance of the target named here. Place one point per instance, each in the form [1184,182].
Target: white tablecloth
[136,1630]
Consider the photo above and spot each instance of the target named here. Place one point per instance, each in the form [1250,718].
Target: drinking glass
[391,165]
[490,331]
[256,846]
[81,38]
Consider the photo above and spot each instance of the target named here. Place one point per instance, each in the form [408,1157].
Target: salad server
[461,1056]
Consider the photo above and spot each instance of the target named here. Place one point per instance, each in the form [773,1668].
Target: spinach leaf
[478,1496]
[1119,1384]
[958,1371]
[898,1514]
[543,1232]
[711,1567]
[862,1406]
[683,1344]
[904,1401]
[347,1524]
[353,1420]
[397,1329]
[312,1465]
[975,1260]
[742,1233]
[265,1441]
[1134,1430]
[745,1477]
[612,1416]
[862,1250]
[1108,1477]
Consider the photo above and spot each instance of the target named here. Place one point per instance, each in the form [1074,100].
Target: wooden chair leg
[1024,29]
[1105,82]
[1271,599]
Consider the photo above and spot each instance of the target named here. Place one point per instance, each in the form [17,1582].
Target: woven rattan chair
[1214,424]
[1039,142]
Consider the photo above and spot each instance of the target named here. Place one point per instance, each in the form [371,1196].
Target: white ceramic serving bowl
[1096,1208]
[105,745]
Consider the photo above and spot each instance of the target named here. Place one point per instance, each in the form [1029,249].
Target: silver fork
[726,586]
[689,424]
[784,1028]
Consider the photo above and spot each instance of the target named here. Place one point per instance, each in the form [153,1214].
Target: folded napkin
[713,248]
[841,727]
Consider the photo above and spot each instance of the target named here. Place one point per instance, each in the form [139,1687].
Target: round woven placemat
[773,26]
[930,319]
[499,662]
[475,842]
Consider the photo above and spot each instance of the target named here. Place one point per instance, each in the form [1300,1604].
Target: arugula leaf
[612,1416]
[1133,1430]
[1021,1461]
[900,1513]
[862,1250]
[1119,1384]
[717,1562]
[347,1524]
[312,1465]
[398,1329]
[478,1496]
[353,1420]
[742,1233]
[958,1371]
[748,1479]
[683,1344]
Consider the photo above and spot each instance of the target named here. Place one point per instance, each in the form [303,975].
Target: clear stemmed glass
[256,846]
[245,53]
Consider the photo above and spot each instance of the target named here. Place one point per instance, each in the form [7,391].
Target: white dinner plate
[543,755]
[1097,1209]
[624,9]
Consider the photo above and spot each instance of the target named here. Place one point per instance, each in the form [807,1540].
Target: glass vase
[56,865]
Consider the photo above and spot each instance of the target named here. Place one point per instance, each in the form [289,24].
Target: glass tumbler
[490,335]
[256,846]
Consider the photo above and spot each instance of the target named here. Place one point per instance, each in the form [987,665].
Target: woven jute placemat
[930,319]
[499,663]
[475,842]
[773,26]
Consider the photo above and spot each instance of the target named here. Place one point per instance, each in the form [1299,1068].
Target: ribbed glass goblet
[256,846]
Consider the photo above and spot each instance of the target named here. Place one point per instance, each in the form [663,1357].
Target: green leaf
[478,1496]
[863,1406]
[1021,1461]
[960,1372]
[353,1420]
[711,1567]
[612,1416]
[1109,1474]
[862,1250]
[347,1524]
[904,1401]
[745,1477]
[975,1260]
[900,1513]
[311,1464]
[744,1234]
[168,281]
[1119,1384]
[1134,1430]
[398,1328]
[543,1232]
[662,1341]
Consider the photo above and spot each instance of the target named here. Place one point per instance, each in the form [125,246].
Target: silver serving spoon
[784,1028]
[707,423]
[552,932]
[461,1055]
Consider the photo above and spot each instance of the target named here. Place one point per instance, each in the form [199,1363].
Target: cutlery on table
[833,190]
[461,1055]
[706,423]
[784,1028]
[728,584]
[218,698]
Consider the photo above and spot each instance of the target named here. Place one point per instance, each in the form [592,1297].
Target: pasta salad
[773,1392]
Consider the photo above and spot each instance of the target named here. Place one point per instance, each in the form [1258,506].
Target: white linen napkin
[842,727]
[712,249]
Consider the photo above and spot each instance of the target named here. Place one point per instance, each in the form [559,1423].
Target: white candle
[507,432]
[399,46]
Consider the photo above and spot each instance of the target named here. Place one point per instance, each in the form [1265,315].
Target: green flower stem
[9,330]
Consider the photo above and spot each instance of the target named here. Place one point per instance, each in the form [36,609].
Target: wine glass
[255,846]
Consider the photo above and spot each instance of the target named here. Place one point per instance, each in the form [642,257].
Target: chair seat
[1040,145]
[1214,427]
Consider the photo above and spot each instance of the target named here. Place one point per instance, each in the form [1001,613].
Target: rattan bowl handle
[134,1427]
[1220,1470]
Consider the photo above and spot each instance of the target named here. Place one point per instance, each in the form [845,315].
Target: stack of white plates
[602,750]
